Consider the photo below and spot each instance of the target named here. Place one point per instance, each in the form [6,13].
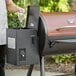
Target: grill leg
[30,70]
[42,70]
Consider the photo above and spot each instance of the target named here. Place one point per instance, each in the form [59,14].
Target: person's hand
[12,7]
[20,9]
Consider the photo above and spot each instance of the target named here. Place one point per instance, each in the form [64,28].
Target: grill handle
[33,39]
[66,27]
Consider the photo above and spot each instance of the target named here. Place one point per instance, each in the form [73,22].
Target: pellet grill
[44,34]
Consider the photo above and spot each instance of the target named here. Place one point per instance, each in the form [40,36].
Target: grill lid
[60,23]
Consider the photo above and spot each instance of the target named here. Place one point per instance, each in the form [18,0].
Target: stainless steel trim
[66,27]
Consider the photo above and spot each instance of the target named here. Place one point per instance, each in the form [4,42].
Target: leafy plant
[64,58]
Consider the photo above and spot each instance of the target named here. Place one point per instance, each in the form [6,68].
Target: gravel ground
[68,68]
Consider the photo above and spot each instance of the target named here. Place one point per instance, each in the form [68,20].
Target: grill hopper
[57,33]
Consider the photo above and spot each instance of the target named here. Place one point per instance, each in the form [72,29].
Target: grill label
[11,43]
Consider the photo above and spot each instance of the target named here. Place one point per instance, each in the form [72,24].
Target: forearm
[11,7]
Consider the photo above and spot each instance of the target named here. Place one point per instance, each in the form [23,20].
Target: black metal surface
[42,70]
[62,37]
[30,70]
[33,17]
[41,35]
[23,49]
